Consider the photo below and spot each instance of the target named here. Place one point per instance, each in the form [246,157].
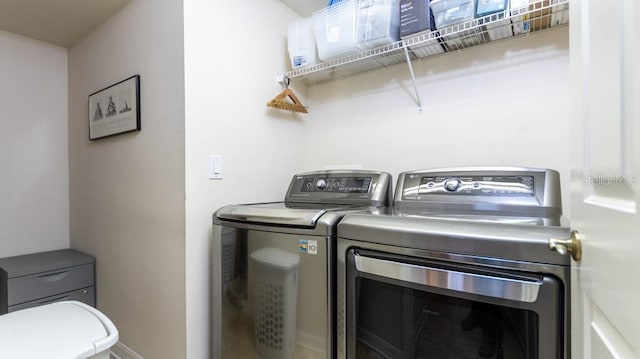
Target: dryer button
[321,184]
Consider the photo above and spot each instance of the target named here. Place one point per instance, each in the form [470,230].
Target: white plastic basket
[229,249]
[275,288]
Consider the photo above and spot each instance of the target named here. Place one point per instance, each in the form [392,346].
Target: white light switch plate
[215,167]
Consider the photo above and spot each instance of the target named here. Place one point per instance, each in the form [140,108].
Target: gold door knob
[572,245]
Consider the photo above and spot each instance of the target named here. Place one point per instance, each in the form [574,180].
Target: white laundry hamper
[275,284]
[229,253]
[61,330]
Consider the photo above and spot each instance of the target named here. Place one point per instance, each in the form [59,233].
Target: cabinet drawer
[46,284]
[85,295]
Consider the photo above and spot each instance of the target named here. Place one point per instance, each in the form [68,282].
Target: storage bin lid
[28,264]
[276,258]
[62,330]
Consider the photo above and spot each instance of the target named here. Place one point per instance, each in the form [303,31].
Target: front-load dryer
[461,268]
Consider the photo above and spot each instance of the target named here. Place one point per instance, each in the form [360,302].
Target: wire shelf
[538,15]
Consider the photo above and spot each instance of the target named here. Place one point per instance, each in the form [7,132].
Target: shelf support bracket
[413,76]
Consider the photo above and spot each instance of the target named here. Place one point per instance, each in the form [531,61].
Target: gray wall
[127,192]
[34,169]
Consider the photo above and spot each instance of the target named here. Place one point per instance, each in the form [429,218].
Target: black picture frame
[115,110]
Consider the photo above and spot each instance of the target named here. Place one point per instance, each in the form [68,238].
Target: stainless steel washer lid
[272,213]
[311,195]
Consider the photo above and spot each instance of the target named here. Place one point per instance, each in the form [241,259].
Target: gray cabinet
[34,279]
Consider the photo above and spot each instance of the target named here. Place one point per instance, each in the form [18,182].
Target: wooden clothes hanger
[280,102]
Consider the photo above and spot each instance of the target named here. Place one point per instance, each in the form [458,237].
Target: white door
[605,176]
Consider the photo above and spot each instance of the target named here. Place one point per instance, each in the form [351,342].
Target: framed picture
[115,109]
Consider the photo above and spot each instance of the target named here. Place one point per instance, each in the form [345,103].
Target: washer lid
[62,330]
[275,213]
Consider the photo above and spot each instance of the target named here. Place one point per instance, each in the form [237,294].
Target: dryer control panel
[493,186]
[522,190]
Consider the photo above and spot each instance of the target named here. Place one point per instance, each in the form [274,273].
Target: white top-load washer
[61,330]
[274,265]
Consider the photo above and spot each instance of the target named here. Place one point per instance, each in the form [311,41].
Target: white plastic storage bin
[335,30]
[450,12]
[62,330]
[301,43]
[275,288]
[378,23]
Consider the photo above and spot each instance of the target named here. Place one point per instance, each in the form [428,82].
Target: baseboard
[312,343]
[121,351]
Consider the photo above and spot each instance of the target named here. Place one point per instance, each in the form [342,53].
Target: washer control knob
[452,184]
[321,183]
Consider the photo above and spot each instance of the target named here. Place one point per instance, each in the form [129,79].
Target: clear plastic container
[519,18]
[488,7]
[497,26]
[301,43]
[492,12]
[378,23]
[449,12]
[335,30]
[529,15]
[559,14]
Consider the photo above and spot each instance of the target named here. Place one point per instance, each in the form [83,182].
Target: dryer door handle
[493,286]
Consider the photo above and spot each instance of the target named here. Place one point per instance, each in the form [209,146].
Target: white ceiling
[306,7]
[63,22]
[60,22]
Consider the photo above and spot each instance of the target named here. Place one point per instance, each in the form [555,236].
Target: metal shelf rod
[413,78]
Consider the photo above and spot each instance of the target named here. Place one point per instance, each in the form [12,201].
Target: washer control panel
[358,187]
[337,184]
